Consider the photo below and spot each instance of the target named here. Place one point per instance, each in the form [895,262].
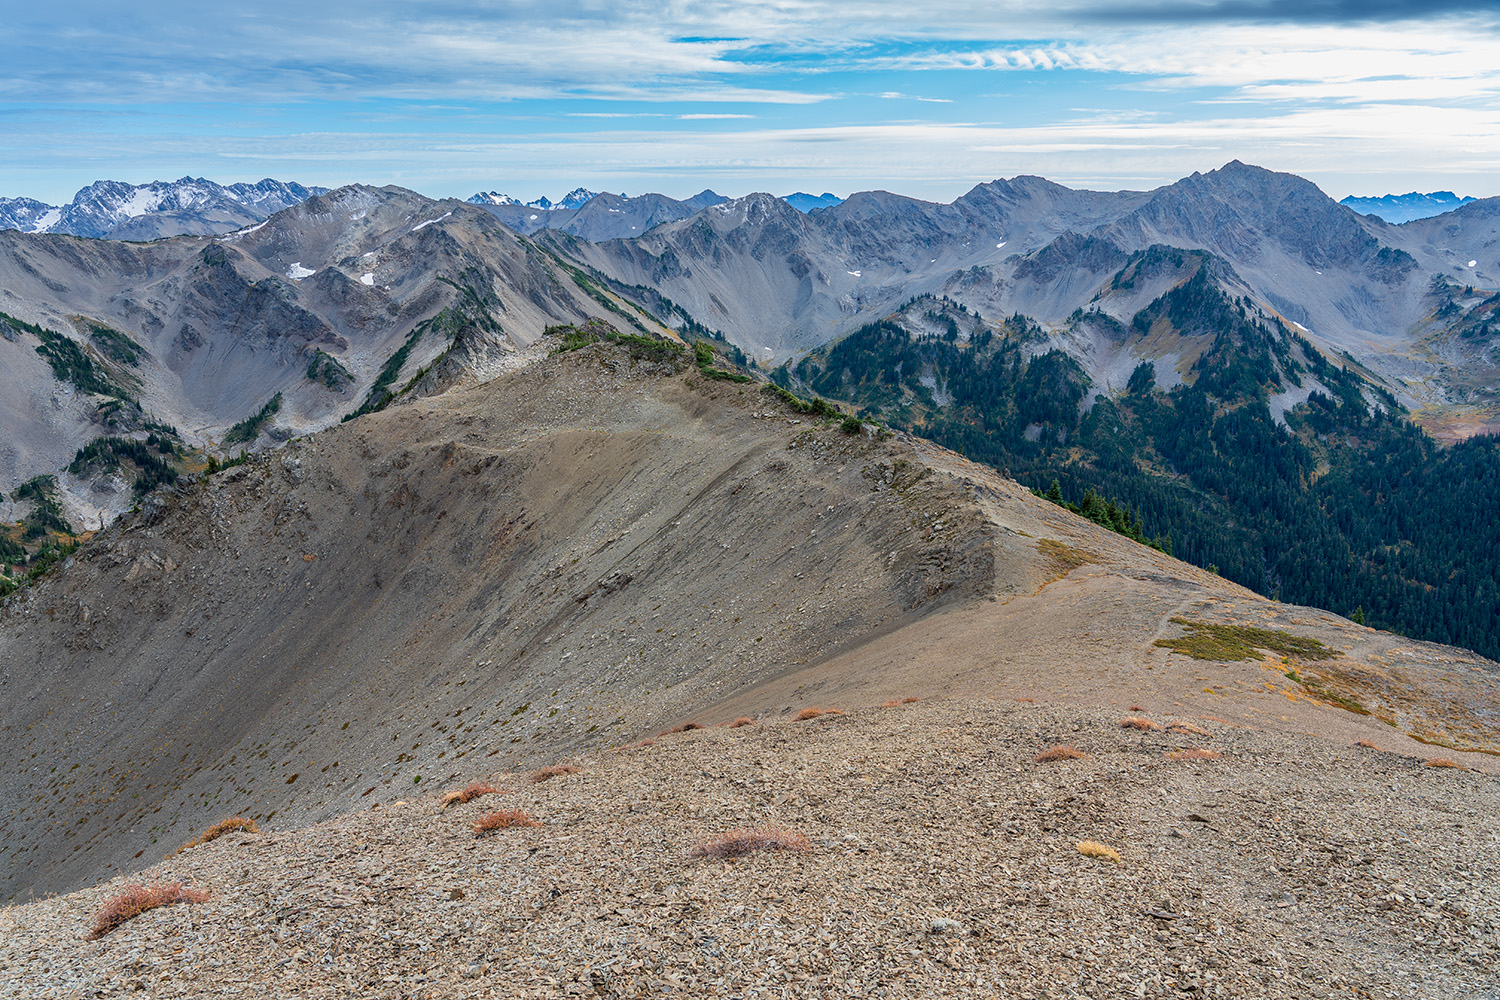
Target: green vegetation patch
[327,369]
[106,453]
[640,348]
[116,345]
[1212,641]
[249,429]
[69,362]
[46,509]
[817,406]
[705,356]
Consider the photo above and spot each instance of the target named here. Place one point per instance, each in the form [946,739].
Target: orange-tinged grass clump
[742,721]
[1060,752]
[137,899]
[1444,762]
[1137,722]
[738,843]
[1187,727]
[813,713]
[503,819]
[1368,744]
[898,701]
[1094,849]
[551,771]
[1193,753]
[218,830]
[468,793]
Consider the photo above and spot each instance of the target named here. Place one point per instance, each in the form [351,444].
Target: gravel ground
[944,863]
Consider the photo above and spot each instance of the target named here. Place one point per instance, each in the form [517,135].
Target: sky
[534,98]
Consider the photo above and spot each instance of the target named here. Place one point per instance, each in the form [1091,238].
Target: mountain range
[942,318]
[1399,208]
[119,211]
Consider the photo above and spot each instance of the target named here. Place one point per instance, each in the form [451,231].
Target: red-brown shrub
[503,819]
[137,899]
[743,720]
[738,843]
[551,771]
[1367,744]
[1444,762]
[910,699]
[813,713]
[1061,752]
[469,792]
[1136,722]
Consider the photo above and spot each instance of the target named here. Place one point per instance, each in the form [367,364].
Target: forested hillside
[1341,503]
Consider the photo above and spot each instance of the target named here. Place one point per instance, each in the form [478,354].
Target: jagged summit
[1399,208]
[190,205]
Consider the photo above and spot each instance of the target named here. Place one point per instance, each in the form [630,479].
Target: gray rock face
[120,211]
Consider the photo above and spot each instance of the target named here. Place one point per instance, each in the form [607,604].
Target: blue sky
[533,98]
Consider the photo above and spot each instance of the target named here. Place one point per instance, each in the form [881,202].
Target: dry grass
[137,899]
[1061,752]
[1137,722]
[1094,849]
[686,727]
[551,771]
[469,792]
[1029,701]
[1444,762]
[1187,727]
[738,843]
[1193,753]
[813,713]
[743,720]
[1136,708]
[218,830]
[897,701]
[503,819]
[1368,745]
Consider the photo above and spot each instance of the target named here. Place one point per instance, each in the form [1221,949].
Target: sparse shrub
[1136,708]
[646,743]
[1444,762]
[743,720]
[503,819]
[851,425]
[1061,752]
[1193,753]
[469,792]
[813,713]
[897,701]
[910,699]
[137,899]
[218,830]
[738,843]
[1137,722]
[551,771]
[1094,849]
[1367,744]
[686,727]
[1187,727]
[1028,701]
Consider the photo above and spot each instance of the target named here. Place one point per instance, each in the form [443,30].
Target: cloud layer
[451,98]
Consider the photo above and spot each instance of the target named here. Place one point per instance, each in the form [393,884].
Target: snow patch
[1472,263]
[532,216]
[47,220]
[855,273]
[297,272]
[999,245]
[370,254]
[248,230]
[368,279]
[424,225]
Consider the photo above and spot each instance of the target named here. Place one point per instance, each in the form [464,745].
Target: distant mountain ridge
[1399,208]
[189,206]
[574,199]
[804,202]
